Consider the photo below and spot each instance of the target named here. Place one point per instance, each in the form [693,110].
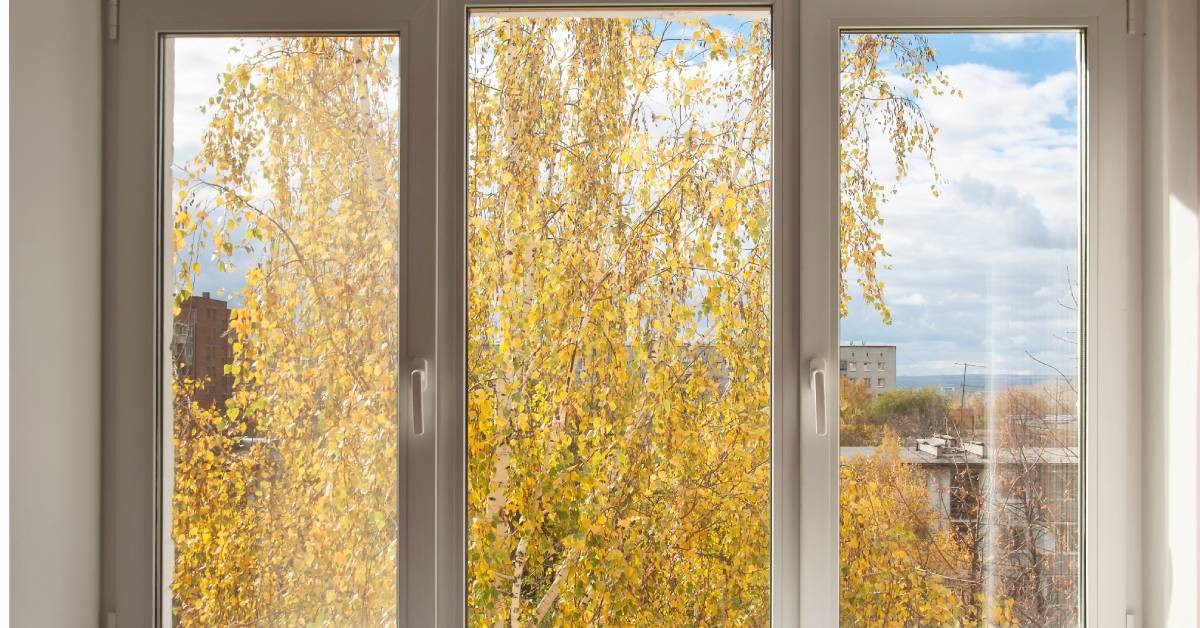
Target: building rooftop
[1036,455]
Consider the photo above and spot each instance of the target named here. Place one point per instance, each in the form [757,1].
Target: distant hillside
[975,381]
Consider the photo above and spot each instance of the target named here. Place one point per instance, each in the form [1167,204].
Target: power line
[962,403]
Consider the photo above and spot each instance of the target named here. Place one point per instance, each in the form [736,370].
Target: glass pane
[282,154]
[960,256]
[619,317]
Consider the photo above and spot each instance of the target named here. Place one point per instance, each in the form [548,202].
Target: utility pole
[962,403]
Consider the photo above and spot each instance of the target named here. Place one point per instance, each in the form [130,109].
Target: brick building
[200,348]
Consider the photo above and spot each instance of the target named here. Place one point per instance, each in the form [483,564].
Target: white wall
[1171,444]
[55,49]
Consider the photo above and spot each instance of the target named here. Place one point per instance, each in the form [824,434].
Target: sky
[198,64]
[979,274]
[982,273]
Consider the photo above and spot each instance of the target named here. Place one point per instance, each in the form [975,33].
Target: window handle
[418,383]
[817,375]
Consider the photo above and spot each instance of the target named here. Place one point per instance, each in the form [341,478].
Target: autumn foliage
[618,338]
[897,562]
[901,565]
[284,504]
[872,103]
[619,251]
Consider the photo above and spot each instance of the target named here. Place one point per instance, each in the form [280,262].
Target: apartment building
[874,364]
[200,348]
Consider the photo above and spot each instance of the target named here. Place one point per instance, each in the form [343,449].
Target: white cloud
[915,298]
[198,63]
[977,274]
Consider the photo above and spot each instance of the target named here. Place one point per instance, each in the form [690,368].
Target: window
[284,208]
[521,327]
[618,318]
[994,211]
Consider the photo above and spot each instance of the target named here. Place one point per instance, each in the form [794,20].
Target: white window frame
[431,572]
[1110,346]
[137,447]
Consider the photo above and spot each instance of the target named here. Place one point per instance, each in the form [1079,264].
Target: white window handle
[418,383]
[817,375]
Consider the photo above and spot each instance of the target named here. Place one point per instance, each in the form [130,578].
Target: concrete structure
[200,348]
[875,364]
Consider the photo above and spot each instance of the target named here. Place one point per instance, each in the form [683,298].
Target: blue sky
[982,273]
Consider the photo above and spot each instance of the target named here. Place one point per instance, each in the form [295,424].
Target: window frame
[1110,260]
[804,559]
[136,446]
[785,365]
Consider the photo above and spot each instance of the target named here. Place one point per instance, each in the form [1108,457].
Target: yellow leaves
[891,549]
[177,237]
[296,470]
[586,273]
[864,111]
